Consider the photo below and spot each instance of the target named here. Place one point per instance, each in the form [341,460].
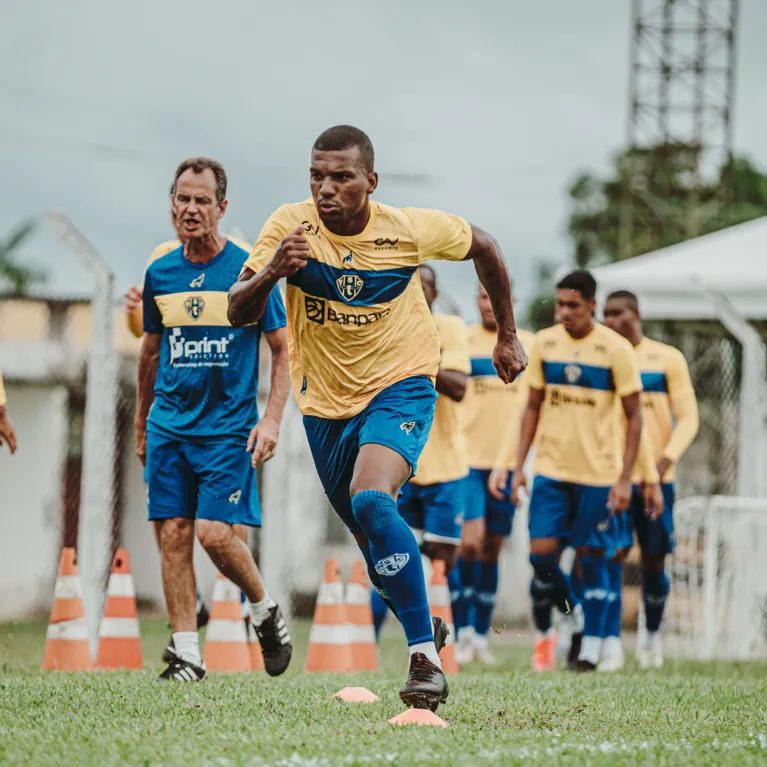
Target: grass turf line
[689,713]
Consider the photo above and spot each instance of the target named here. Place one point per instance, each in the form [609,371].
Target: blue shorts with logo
[655,537]
[436,509]
[572,512]
[201,479]
[498,515]
[399,418]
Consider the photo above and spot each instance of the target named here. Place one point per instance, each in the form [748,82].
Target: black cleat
[585,666]
[169,653]
[180,670]
[441,633]
[203,616]
[575,651]
[275,642]
[426,685]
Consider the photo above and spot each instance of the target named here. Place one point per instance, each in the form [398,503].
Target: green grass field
[689,714]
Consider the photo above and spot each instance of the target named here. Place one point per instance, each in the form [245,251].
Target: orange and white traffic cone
[359,614]
[66,648]
[329,648]
[119,642]
[439,605]
[226,640]
[254,647]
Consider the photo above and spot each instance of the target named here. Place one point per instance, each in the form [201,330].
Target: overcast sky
[493,107]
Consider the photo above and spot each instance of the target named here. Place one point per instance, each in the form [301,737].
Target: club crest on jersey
[407,426]
[572,373]
[349,286]
[194,306]
[392,565]
[197,281]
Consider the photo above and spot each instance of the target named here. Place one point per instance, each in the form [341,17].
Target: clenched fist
[292,254]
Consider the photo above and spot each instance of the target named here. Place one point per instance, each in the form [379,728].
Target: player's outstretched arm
[148,363]
[266,433]
[685,409]
[509,357]
[452,383]
[248,296]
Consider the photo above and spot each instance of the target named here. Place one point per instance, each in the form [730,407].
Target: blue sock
[375,579]
[380,610]
[655,589]
[397,558]
[540,594]
[596,588]
[614,599]
[552,580]
[461,582]
[487,588]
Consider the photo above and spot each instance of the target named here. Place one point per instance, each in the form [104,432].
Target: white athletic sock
[429,649]
[259,611]
[591,649]
[187,644]
[427,569]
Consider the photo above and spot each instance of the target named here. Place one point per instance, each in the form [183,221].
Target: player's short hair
[431,271]
[198,165]
[580,280]
[341,137]
[627,295]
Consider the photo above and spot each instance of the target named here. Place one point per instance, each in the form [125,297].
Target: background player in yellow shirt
[7,429]
[670,414]
[490,410]
[433,501]
[364,354]
[577,369]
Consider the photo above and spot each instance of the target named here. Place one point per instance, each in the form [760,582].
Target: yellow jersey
[3,398]
[579,423]
[492,410]
[669,407]
[357,318]
[444,456]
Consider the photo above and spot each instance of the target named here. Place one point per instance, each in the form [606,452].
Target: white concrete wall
[30,499]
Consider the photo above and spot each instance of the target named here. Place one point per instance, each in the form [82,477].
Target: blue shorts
[655,537]
[201,479]
[399,418]
[437,509]
[498,515]
[572,512]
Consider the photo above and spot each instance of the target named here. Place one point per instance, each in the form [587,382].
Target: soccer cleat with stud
[180,670]
[575,650]
[275,641]
[426,685]
[203,616]
[169,653]
[584,666]
[544,654]
[441,632]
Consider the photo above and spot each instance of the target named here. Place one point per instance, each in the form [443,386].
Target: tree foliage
[18,277]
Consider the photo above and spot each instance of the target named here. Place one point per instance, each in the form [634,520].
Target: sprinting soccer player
[364,356]
[7,429]
[490,411]
[577,369]
[670,414]
[433,501]
[197,385]
[264,435]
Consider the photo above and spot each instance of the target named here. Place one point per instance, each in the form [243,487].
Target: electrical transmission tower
[676,176]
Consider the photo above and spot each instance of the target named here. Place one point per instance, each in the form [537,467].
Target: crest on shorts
[572,373]
[407,426]
[349,286]
[194,306]
[392,565]
[235,497]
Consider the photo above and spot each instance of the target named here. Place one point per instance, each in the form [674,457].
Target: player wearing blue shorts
[364,357]
[578,372]
[198,378]
[432,502]
[670,415]
[490,410]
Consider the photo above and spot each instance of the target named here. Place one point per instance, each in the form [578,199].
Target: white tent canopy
[675,282]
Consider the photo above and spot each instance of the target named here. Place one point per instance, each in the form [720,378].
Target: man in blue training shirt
[198,378]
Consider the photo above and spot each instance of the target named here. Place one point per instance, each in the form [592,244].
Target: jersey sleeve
[645,461]
[533,373]
[625,371]
[277,226]
[684,406]
[3,398]
[440,235]
[454,338]
[274,316]
[152,315]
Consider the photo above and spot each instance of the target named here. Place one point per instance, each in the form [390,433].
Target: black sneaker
[181,670]
[585,666]
[441,633]
[575,651]
[426,685]
[275,642]
[203,616]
